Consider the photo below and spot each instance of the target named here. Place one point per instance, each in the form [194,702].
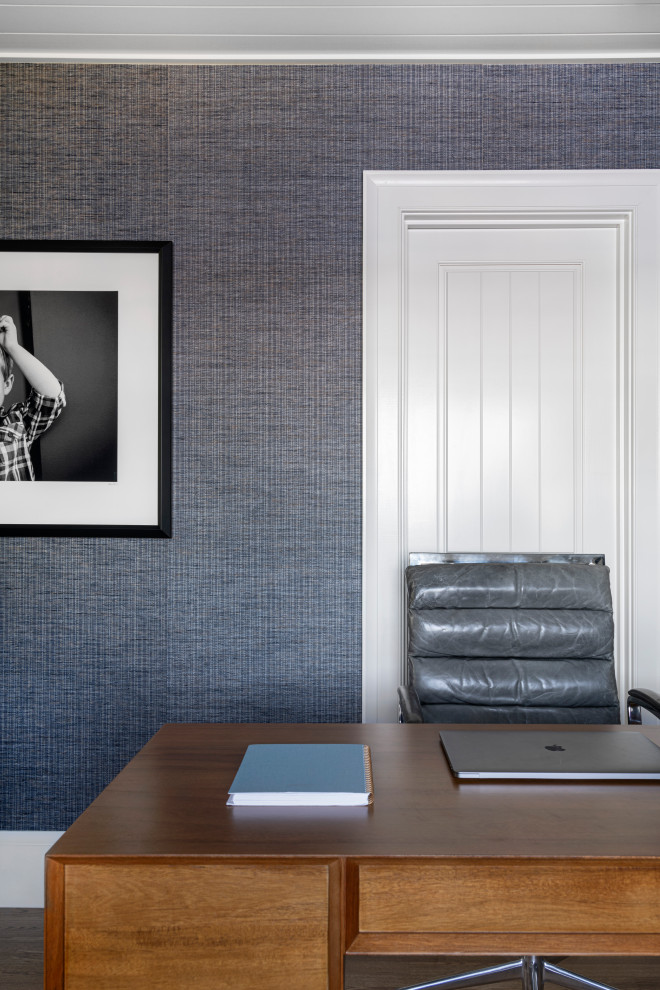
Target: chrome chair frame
[532,970]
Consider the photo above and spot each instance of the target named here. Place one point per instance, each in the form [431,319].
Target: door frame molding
[396,203]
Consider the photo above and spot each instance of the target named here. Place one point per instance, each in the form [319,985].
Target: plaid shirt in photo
[20,426]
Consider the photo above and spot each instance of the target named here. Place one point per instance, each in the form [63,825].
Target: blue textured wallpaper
[252,611]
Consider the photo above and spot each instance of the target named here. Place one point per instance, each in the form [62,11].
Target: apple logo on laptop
[556,749]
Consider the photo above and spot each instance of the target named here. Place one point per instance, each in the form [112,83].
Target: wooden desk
[160,885]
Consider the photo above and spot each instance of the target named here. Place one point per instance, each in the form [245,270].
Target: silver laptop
[550,753]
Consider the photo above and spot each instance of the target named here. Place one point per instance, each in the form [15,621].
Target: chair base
[532,970]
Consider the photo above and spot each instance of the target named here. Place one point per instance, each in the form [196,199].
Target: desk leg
[54,926]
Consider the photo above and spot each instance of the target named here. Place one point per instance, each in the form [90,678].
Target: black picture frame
[103,311]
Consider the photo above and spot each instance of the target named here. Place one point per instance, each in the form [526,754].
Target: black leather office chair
[513,638]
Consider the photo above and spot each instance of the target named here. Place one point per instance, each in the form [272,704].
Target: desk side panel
[201,926]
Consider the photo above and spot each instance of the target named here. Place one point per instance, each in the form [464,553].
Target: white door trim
[394,204]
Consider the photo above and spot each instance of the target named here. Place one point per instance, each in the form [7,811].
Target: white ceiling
[318,31]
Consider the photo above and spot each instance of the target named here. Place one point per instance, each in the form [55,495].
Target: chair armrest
[409,706]
[649,700]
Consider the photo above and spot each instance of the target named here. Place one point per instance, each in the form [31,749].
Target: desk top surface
[170,800]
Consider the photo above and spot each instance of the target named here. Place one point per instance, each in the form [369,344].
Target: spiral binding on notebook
[368,775]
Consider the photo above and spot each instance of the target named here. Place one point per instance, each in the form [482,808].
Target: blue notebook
[303,774]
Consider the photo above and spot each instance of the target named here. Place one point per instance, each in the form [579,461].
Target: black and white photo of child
[58,365]
[24,422]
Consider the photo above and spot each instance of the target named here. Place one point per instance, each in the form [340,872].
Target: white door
[510,390]
[510,348]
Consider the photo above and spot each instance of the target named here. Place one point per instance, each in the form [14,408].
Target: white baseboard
[22,867]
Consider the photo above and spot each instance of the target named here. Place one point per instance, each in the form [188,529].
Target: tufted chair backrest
[519,640]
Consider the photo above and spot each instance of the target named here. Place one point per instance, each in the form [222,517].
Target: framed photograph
[85,380]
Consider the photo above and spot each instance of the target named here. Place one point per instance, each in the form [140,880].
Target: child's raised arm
[36,373]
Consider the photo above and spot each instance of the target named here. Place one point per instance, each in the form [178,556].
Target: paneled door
[510,349]
[510,390]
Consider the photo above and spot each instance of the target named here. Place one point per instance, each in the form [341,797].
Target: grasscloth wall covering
[252,611]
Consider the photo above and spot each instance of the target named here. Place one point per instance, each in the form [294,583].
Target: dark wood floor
[21,967]
[21,948]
